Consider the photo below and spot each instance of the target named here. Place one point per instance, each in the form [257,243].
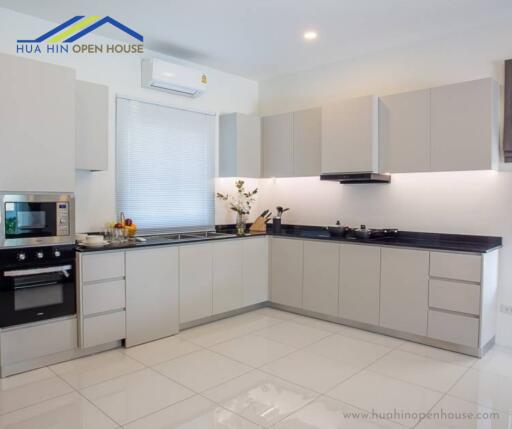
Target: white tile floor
[266,368]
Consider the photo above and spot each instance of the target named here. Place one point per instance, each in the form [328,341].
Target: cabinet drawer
[453,328]
[23,344]
[102,266]
[456,266]
[455,296]
[103,329]
[102,297]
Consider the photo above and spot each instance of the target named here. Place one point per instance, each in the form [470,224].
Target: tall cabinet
[38,126]
[92,126]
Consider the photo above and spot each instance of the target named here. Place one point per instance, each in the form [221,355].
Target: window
[165,166]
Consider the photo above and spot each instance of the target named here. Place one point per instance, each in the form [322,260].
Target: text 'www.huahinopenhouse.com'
[437,415]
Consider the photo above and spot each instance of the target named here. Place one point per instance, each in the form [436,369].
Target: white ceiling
[260,39]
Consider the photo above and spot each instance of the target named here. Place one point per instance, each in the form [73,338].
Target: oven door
[30,295]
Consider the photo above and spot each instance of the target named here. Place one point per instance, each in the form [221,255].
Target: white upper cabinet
[239,145]
[404,132]
[292,144]
[350,136]
[37,135]
[464,127]
[92,120]
[277,137]
[307,137]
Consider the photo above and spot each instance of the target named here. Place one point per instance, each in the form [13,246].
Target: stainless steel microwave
[39,219]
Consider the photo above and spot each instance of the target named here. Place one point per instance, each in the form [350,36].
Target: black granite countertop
[422,240]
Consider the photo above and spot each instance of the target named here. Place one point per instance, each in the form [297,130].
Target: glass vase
[240,224]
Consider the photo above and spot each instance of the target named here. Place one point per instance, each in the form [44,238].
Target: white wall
[95,202]
[462,202]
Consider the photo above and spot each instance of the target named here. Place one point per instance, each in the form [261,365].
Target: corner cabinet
[92,126]
[350,132]
[37,114]
[239,145]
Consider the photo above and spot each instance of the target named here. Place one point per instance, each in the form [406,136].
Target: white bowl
[80,237]
[94,239]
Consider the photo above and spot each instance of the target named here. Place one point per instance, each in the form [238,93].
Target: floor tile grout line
[234,337]
[79,389]
[444,394]
[36,403]
[88,400]
[360,371]
[167,360]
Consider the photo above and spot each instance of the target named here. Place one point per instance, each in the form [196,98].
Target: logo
[63,38]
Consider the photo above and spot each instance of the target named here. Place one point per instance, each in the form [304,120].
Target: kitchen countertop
[423,240]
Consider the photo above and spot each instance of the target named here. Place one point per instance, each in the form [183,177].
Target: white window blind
[165,166]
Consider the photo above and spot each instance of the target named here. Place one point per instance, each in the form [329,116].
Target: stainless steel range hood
[353,178]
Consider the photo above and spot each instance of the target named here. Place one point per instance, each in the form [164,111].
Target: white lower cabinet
[320,278]
[227,276]
[104,329]
[103,297]
[24,343]
[286,271]
[255,270]
[404,290]
[454,328]
[360,283]
[152,294]
[196,281]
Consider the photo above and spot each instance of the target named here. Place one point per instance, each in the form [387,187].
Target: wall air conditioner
[169,77]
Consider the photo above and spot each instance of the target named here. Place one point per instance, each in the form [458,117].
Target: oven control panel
[29,256]
[62,218]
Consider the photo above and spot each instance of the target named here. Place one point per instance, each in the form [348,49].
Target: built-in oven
[37,219]
[36,283]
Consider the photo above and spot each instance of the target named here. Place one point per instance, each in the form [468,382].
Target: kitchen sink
[208,235]
[186,236]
